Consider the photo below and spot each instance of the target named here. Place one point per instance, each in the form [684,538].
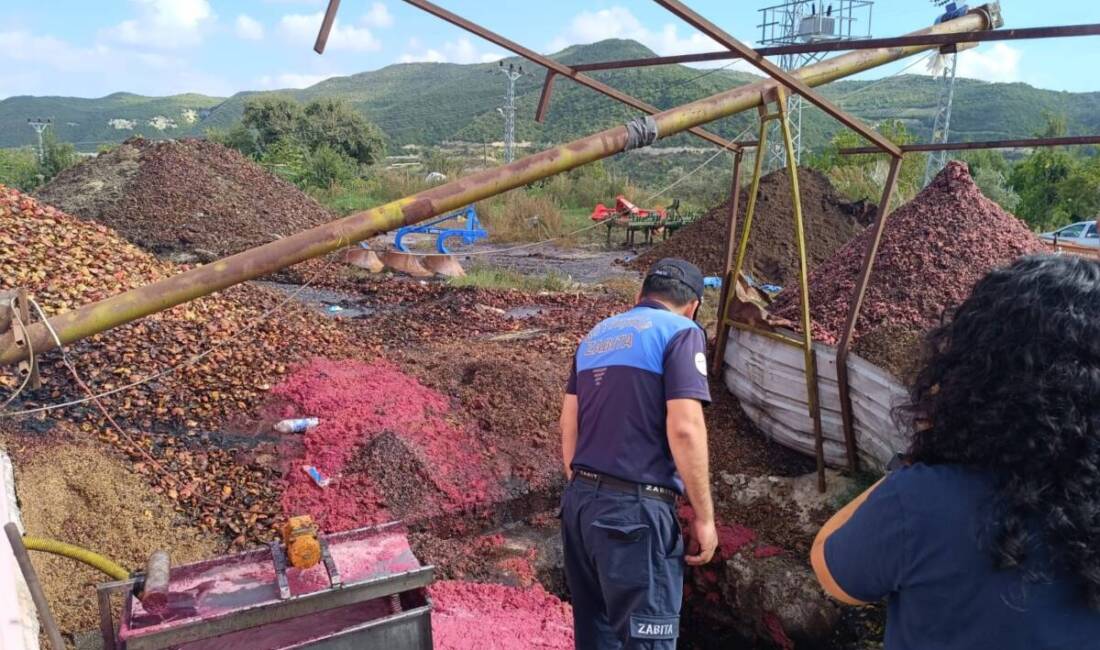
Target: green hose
[91,558]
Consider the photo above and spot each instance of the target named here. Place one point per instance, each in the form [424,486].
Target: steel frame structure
[125,307]
[945,40]
[782,24]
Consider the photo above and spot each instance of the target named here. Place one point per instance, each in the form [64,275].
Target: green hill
[89,122]
[429,103]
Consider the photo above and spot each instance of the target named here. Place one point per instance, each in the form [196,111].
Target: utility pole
[511,73]
[40,125]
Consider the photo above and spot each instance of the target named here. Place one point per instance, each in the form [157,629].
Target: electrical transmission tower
[40,125]
[797,22]
[508,110]
[941,126]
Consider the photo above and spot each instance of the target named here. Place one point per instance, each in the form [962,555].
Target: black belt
[619,485]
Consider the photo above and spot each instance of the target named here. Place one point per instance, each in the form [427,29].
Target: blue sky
[155,47]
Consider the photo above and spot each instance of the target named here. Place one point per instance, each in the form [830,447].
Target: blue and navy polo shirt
[623,373]
[920,539]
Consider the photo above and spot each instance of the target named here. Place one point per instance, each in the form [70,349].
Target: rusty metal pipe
[315,242]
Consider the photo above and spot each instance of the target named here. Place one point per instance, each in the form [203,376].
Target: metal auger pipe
[262,260]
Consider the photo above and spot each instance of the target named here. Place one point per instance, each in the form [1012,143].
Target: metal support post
[722,336]
[804,289]
[844,344]
[805,343]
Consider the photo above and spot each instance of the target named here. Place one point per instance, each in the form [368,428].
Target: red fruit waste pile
[933,250]
[65,262]
[388,444]
[475,616]
[188,199]
[772,254]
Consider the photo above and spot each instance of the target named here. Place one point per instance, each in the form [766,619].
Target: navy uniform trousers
[624,563]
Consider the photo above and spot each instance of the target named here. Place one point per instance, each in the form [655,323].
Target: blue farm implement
[470,232]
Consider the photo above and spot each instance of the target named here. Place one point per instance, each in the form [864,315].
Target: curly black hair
[1010,383]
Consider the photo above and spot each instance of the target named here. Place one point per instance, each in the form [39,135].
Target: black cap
[682,270]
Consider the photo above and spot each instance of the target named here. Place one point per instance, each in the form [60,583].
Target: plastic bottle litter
[334,309]
[319,479]
[296,425]
[713,282]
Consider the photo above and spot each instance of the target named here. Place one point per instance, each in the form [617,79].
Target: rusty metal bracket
[544,96]
[779,75]
[326,26]
[15,317]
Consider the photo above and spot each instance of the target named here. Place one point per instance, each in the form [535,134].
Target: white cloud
[34,64]
[619,22]
[460,51]
[164,23]
[378,16]
[1000,62]
[249,28]
[302,29]
[292,80]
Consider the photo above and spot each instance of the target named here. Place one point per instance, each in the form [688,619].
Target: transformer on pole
[797,22]
[508,110]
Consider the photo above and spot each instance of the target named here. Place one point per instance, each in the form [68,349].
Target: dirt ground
[72,490]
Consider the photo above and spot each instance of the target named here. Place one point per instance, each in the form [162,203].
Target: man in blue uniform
[633,440]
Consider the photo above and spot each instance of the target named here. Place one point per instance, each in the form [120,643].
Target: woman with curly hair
[988,535]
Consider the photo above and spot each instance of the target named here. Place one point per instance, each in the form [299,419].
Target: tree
[326,167]
[286,159]
[19,168]
[56,156]
[335,124]
[1040,180]
[991,172]
[239,137]
[862,176]
[272,118]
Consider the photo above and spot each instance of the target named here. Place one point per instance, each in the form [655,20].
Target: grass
[860,482]
[489,277]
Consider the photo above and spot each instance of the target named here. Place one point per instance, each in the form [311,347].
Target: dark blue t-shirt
[624,371]
[920,540]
